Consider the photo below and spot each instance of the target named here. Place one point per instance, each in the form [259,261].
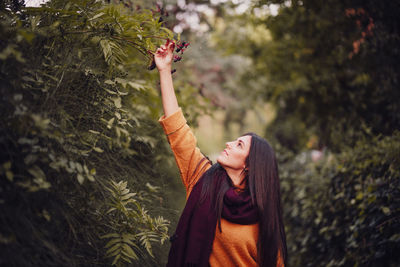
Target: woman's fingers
[165,49]
[171,46]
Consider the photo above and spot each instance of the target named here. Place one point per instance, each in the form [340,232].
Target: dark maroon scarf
[194,235]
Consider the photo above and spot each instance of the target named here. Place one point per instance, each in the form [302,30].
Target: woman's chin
[220,160]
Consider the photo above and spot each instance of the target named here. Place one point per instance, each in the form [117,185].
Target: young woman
[233,214]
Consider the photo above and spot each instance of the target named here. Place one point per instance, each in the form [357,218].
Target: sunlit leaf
[80,178]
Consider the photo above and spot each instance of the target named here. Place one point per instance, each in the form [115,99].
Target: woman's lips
[226,153]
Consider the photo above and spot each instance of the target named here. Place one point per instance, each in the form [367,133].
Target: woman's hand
[163,59]
[163,56]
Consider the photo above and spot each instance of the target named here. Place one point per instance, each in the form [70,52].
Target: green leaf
[110,210]
[85,168]
[395,238]
[117,102]
[36,172]
[110,235]
[136,86]
[10,175]
[126,258]
[98,149]
[109,82]
[127,196]
[79,167]
[97,16]
[90,178]
[385,210]
[116,248]
[80,178]
[7,165]
[129,252]
[128,241]
[112,242]
[116,259]
[30,158]
[169,32]
[110,122]
[110,92]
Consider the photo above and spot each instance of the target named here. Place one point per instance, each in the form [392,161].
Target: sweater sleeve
[191,162]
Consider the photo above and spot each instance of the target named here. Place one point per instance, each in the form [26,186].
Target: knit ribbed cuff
[173,122]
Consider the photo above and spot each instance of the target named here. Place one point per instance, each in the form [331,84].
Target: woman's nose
[228,144]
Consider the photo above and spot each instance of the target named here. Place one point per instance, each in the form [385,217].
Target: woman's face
[235,154]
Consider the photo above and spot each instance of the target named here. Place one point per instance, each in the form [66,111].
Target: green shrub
[79,110]
[344,210]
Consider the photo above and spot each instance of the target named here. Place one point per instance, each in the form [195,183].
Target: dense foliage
[344,210]
[330,69]
[85,169]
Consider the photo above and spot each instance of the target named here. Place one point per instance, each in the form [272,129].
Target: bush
[78,131]
[344,210]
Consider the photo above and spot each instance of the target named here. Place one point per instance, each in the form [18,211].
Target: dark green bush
[85,168]
[344,210]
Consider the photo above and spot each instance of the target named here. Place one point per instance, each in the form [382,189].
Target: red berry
[177,58]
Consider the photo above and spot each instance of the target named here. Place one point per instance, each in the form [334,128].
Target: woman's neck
[236,176]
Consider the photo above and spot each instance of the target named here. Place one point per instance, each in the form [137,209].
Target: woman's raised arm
[191,162]
[163,60]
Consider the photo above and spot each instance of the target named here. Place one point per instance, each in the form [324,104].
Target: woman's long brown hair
[263,185]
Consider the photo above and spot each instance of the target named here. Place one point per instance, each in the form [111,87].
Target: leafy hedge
[78,135]
[344,210]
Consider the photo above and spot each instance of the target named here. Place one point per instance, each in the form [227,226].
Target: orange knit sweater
[236,245]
